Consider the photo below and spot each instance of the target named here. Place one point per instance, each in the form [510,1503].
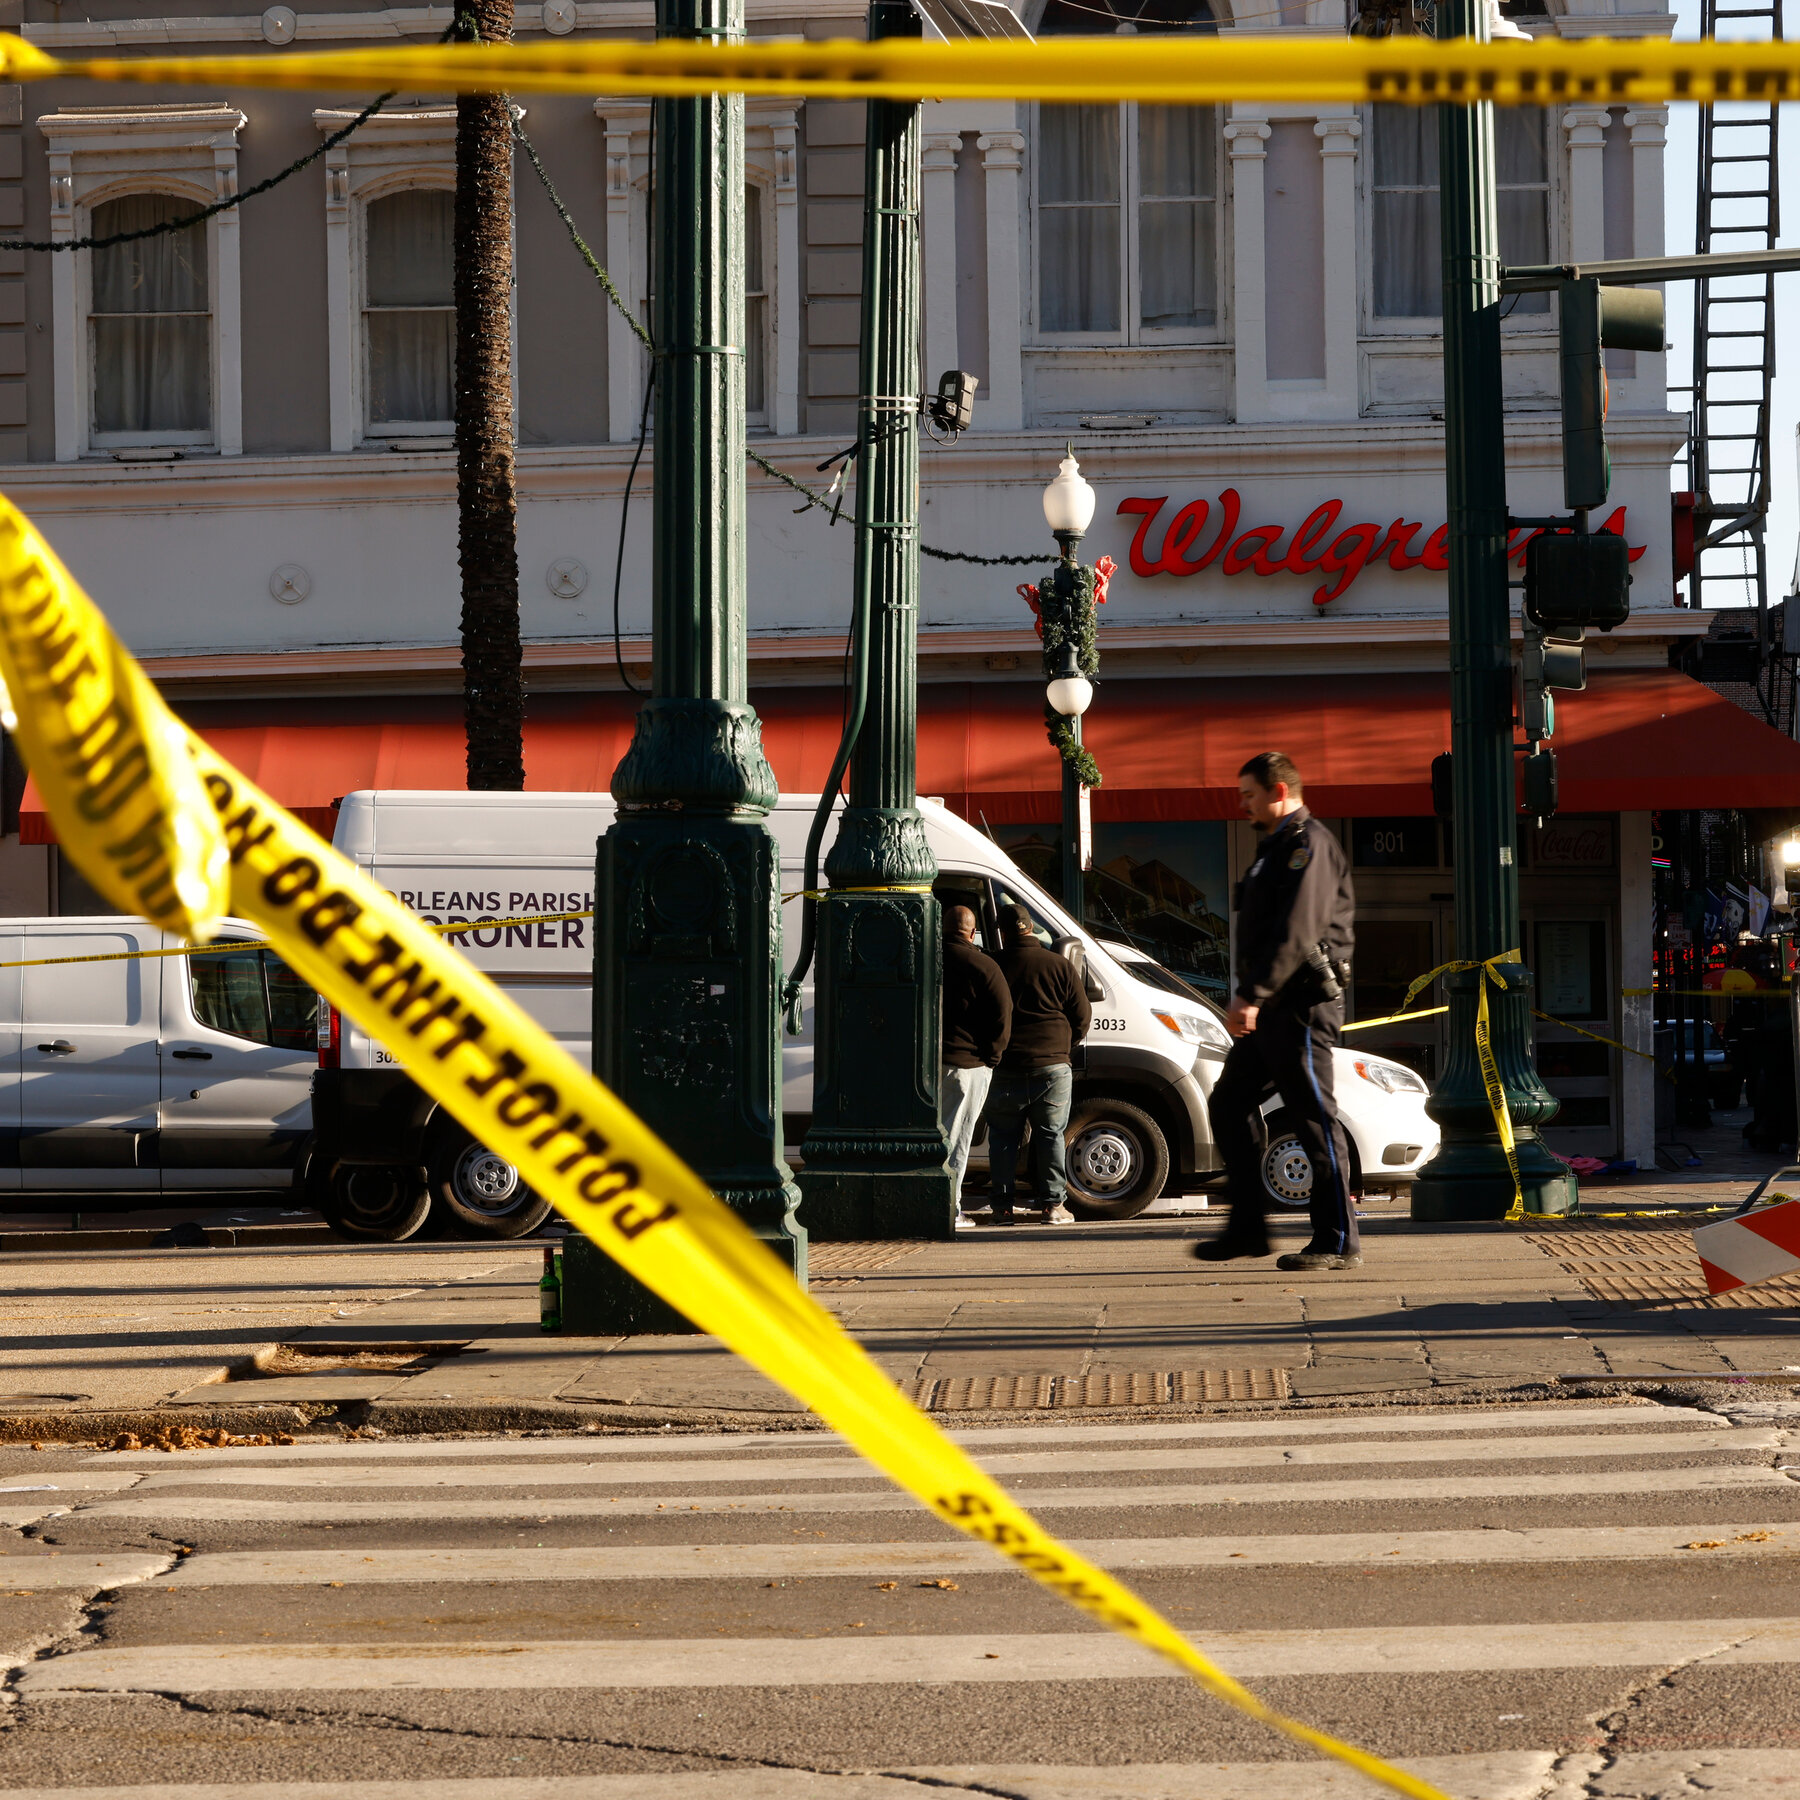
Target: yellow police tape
[493,1069]
[1424,1012]
[1484,1050]
[1157,68]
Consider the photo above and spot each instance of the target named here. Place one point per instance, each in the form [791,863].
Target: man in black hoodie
[977,1022]
[1050,1017]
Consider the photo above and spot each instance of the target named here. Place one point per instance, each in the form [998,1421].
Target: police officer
[1294,940]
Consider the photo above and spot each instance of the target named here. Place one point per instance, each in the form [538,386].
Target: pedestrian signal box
[1577,578]
[1592,319]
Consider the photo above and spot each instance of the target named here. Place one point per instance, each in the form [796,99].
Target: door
[1571,968]
[88,1062]
[1394,946]
[239,1049]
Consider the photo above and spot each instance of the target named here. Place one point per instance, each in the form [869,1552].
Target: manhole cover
[1136,1387]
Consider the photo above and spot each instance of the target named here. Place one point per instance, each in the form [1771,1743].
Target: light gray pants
[962,1093]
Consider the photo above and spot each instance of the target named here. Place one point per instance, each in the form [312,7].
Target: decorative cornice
[636,16]
[200,127]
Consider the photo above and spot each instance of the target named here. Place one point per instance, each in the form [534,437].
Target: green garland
[1070,620]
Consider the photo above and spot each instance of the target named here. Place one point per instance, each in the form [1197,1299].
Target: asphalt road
[1582,1600]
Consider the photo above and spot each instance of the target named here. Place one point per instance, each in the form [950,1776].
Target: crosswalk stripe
[199,1507]
[837,1661]
[74,1569]
[1497,1775]
[1109,1460]
[716,1562]
[748,1444]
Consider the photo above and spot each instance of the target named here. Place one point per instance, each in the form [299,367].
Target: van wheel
[1118,1160]
[1286,1168]
[380,1205]
[482,1193]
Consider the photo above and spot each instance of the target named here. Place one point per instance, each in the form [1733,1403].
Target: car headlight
[1391,1078]
[1195,1028]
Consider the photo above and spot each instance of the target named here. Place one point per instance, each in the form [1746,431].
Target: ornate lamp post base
[1468,1178]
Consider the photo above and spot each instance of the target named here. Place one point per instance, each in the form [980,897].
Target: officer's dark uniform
[1295,899]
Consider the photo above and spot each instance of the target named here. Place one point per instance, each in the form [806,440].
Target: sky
[1680,171]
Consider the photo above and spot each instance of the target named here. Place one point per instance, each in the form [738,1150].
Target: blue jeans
[961,1095]
[1042,1096]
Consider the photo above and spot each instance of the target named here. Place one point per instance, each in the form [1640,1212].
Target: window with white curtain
[1127,197]
[409,312]
[1407,254]
[150,325]
[756,309]
[1127,214]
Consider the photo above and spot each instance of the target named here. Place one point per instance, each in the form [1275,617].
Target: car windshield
[1153,974]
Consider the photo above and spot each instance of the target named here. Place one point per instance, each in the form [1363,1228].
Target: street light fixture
[1065,607]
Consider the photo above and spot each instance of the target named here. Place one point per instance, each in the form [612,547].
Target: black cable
[218,206]
[624,514]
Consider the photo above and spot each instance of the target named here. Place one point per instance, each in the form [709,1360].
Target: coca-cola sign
[1573,844]
[1318,545]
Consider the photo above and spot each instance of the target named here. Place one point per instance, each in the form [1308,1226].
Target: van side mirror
[1072,950]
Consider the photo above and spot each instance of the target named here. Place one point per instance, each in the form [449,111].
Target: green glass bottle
[550,1292]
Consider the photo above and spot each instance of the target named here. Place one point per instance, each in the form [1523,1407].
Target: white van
[147,1075]
[1138,1132]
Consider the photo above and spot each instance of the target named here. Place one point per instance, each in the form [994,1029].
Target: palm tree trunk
[486,500]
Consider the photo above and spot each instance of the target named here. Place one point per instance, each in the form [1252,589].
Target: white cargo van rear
[129,1074]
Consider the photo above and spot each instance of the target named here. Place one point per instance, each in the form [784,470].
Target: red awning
[1170,749]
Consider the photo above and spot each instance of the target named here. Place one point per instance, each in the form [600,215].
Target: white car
[1381,1104]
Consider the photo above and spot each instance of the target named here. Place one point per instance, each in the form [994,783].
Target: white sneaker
[1059,1215]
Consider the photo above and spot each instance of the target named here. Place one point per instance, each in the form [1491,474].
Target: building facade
[239,438]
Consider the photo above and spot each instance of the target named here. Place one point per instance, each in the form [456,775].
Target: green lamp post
[1468,1177]
[687,967]
[875,1156]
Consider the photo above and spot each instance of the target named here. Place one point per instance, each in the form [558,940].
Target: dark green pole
[688,957]
[875,1155]
[1468,1177]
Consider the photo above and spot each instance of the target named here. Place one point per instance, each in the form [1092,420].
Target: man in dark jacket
[1050,1016]
[1295,909]
[977,1020]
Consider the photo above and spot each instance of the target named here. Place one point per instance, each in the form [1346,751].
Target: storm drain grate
[1134,1387]
[1653,1268]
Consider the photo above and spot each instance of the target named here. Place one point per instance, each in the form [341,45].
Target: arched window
[409,312]
[150,324]
[1127,196]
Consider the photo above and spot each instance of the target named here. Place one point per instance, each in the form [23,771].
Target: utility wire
[51,245]
[218,206]
[610,287]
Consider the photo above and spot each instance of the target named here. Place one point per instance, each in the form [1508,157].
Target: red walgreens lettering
[1254,553]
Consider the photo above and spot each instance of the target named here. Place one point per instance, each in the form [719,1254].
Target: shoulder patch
[1301,857]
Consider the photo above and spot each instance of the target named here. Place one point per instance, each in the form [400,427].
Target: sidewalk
[1040,1319]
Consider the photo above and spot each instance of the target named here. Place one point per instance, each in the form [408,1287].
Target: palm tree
[486,498]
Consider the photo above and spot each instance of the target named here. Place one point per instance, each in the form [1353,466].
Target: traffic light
[1546,663]
[1592,319]
[1540,784]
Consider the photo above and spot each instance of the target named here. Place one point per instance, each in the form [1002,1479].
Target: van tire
[481,1194]
[1282,1160]
[1118,1159]
[370,1203]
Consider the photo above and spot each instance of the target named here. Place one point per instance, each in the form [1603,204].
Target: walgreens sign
[1320,544]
